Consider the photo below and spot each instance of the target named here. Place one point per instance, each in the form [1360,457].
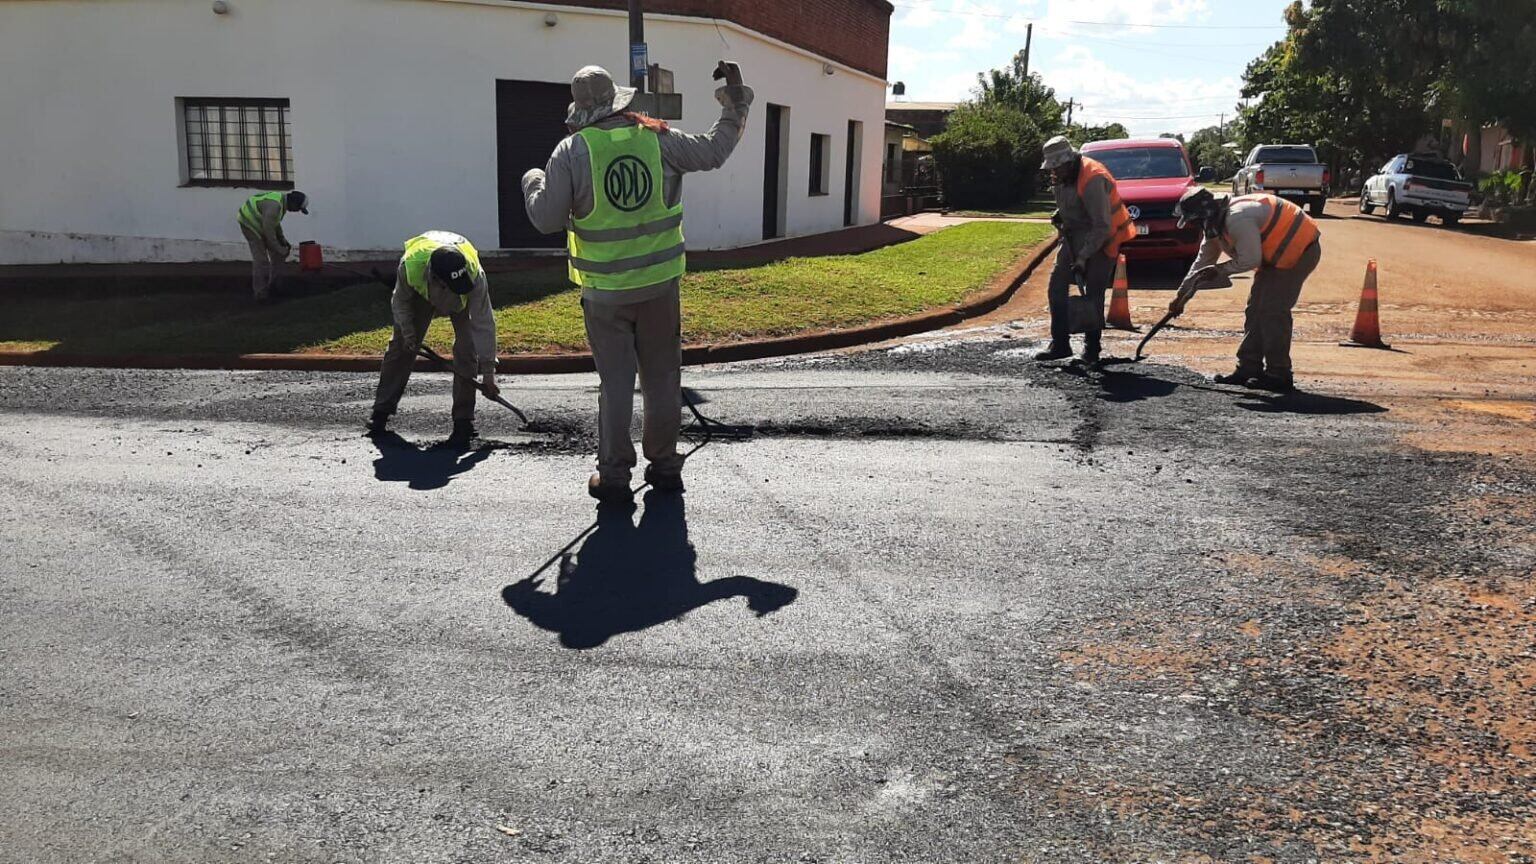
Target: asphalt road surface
[947,606]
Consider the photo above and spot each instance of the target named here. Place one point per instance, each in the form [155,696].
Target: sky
[1154,65]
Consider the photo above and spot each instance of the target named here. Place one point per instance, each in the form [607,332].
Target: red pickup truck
[1151,174]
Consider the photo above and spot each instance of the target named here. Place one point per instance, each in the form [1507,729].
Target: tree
[1079,134]
[1491,74]
[988,156]
[1355,78]
[990,153]
[1026,93]
[1207,148]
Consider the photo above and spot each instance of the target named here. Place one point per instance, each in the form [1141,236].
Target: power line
[1008,16]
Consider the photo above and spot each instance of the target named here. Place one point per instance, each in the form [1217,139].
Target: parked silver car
[1423,184]
[1289,171]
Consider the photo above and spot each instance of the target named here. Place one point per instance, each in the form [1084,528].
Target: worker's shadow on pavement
[628,577]
[1301,402]
[1123,385]
[423,468]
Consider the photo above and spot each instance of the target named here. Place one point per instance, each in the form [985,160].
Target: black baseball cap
[449,265]
[297,201]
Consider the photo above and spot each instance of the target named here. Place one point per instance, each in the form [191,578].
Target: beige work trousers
[400,360]
[1267,322]
[264,265]
[625,338]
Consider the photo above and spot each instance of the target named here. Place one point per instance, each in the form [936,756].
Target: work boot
[608,492]
[1237,377]
[463,433]
[1272,383]
[1055,352]
[663,480]
[378,423]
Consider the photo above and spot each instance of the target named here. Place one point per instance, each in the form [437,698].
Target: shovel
[714,428]
[1209,281]
[438,360]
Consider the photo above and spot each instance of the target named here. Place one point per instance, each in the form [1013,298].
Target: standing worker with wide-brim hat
[1093,222]
[616,182]
[1278,240]
[439,274]
[261,221]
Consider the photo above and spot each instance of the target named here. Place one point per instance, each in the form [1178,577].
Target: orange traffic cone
[1367,330]
[1120,300]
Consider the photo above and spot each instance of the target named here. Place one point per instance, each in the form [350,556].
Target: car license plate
[1142,230]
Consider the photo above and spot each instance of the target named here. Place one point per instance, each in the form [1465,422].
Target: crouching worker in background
[440,274]
[1280,241]
[617,183]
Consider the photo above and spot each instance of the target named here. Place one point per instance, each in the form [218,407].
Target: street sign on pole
[639,59]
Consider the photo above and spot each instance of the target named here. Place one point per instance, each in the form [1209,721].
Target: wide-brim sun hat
[1058,152]
[595,97]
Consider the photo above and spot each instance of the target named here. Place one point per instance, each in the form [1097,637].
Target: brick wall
[853,32]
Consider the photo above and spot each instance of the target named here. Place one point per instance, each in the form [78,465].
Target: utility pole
[1070,103]
[637,53]
[1029,38]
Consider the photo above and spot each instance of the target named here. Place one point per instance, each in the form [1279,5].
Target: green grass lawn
[1031,210]
[536,310]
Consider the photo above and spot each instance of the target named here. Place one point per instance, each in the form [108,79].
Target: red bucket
[310,258]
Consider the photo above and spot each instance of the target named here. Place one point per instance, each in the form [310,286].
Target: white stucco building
[121,134]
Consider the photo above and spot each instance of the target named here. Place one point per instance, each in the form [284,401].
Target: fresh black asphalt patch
[948,605]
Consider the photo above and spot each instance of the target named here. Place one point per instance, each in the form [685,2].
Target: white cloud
[1145,103]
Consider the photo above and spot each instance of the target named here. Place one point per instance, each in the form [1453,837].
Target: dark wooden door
[530,121]
[771,203]
[849,173]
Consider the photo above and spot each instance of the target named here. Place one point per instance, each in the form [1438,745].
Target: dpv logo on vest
[628,183]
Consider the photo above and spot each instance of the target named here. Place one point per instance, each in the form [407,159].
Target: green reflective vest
[631,238]
[418,254]
[250,217]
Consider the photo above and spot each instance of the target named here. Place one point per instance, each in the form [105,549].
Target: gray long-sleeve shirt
[1241,238]
[563,190]
[1085,218]
[482,320]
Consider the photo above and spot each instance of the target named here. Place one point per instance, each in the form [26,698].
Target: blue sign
[638,59]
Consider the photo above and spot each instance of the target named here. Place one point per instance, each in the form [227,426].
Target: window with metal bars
[237,142]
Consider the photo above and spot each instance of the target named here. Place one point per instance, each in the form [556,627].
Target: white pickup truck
[1289,171]
[1424,184]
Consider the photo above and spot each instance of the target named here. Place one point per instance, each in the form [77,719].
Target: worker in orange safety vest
[1278,240]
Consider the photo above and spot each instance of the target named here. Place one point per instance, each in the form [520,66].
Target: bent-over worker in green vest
[616,183]
[439,274]
[261,221]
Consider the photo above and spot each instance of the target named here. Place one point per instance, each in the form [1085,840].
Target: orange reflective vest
[1287,231]
[1121,226]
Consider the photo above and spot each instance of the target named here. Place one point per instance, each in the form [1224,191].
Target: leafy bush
[989,155]
[1503,187]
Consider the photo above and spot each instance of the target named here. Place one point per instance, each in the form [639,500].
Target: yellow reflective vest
[631,239]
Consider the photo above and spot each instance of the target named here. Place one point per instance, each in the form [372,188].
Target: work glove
[729,72]
[1208,278]
[1178,304]
[488,385]
[287,250]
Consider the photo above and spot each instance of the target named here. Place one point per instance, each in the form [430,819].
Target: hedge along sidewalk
[778,306]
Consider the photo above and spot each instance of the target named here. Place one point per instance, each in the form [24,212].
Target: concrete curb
[1002,288]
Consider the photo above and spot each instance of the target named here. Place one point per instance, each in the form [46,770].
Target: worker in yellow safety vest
[261,222]
[616,182]
[1276,238]
[439,274]
[1093,222]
